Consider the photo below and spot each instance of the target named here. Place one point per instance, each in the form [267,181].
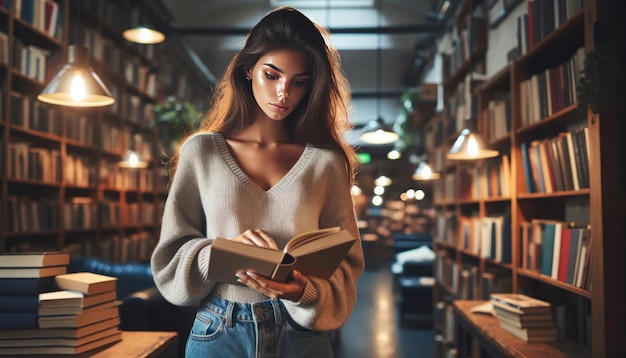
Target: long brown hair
[322,115]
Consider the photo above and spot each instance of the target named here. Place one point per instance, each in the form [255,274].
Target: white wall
[502,39]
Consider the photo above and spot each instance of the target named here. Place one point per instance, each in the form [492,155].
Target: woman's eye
[301,83]
[271,76]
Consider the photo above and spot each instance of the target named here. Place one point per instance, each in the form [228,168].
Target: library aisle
[374,331]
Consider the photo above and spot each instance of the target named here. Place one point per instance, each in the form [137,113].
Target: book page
[306,237]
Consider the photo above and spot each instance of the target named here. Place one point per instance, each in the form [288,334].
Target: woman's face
[279,82]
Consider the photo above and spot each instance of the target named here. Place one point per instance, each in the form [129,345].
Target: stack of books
[526,317]
[63,314]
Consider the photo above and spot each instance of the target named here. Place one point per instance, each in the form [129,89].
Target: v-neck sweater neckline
[277,188]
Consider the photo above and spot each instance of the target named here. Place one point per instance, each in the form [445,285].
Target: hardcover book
[519,303]
[115,337]
[26,286]
[59,332]
[61,299]
[31,272]
[316,253]
[86,282]
[34,259]
[19,303]
[78,320]
[532,334]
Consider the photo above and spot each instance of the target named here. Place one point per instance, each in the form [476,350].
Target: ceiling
[384,44]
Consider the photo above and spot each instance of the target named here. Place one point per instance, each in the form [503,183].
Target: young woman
[268,162]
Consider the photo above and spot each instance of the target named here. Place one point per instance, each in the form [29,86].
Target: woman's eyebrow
[308,73]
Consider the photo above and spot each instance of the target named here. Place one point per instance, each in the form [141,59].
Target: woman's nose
[283,91]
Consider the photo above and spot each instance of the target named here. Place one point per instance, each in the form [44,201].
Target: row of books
[559,163]
[42,14]
[557,249]
[496,184]
[488,237]
[45,310]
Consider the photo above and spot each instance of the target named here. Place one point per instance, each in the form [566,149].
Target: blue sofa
[143,307]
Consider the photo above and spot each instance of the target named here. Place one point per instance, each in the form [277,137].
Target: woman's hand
[291,290]
[256,238]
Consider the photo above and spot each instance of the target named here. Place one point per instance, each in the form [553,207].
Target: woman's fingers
[257,238]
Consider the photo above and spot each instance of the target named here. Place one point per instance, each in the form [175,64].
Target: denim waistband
[245,312]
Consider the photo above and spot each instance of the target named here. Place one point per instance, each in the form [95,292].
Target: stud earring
[248,78]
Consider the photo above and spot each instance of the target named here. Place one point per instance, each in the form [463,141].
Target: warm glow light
[424,172]
[410,193]
[132,160]
[470,146]
[77,89]
[379,190]
[377,132]
[355,190]
[144,35]
[394,155]
[420,195]
[382,181]
[377,200]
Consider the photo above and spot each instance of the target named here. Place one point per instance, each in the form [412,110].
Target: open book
[316,253]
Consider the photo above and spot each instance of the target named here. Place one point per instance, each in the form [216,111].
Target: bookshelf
[550,172]
[61,187]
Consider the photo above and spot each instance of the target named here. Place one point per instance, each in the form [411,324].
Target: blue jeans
[263,329]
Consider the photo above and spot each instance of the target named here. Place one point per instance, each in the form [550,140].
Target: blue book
[574,249]
[506,240]
[14,320]
[547,247]
[528,179]
[26,286]
[19,303]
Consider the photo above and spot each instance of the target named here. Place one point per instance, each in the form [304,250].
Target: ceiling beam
[231,30]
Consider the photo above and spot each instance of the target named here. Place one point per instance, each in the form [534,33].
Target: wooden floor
[374,329]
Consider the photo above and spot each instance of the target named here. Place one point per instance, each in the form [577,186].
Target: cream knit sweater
[212,197]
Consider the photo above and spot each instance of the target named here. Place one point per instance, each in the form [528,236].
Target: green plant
[593,83]
[176,119]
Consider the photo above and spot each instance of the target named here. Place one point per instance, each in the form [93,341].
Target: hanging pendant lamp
[144,34]
[424,172]
[76,84]
[470,145]
[376,131]
[131,160]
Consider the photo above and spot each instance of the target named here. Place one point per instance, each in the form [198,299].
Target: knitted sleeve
[179,261]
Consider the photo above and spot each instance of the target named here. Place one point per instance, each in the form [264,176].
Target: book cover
[62,298]
[58,341]
[537,323]
[31,272]
[86,282]
[34,259]
[16,320]
[516,316]
[26,286]
[78,320]
[520,303]
[316,253]
[116,337]
[19,303]
[59,332]
[532,334]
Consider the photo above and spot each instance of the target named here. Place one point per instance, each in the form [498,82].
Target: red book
[566,238]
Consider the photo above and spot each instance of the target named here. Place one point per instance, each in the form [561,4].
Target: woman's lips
[279,107]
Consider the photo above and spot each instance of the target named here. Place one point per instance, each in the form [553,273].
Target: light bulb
[472,146]
[77,88]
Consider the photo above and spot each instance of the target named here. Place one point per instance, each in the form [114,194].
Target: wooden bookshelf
[594,300]
[61,187]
